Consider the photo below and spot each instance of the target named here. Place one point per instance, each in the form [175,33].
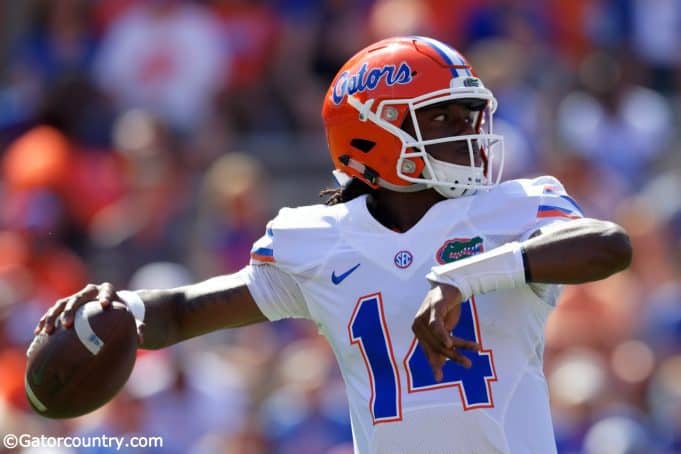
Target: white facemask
[464,178]
[450,180]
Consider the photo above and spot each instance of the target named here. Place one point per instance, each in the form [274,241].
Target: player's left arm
[574,252]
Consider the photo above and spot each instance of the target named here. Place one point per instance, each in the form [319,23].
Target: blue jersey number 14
[368,329]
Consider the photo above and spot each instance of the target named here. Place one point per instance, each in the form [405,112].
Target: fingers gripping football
[65,308]
[436,318]
[47,321]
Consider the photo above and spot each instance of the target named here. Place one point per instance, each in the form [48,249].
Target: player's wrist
[134,303]
[503,267]
[447,292]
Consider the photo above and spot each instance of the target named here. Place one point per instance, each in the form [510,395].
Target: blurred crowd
[147,142]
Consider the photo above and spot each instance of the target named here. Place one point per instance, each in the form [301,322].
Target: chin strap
[415,187]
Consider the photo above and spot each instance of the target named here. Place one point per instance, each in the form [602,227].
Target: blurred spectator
[286,96]
[395,18]
[61,42]
[75,107]
[232,213]
[12,361]
[664,401]
[251,30]
[302,415]
[617,125]
[38,159]
[36,216]
[123,417]
[58,44]
[167,56]
[142,226]
[606,23]
[597,189]
[44,160]
[203,386]
[618,435]
[656,38]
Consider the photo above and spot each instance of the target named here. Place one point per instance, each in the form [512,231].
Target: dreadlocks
[354,188]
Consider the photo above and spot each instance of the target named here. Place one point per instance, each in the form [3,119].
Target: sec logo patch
[403,259]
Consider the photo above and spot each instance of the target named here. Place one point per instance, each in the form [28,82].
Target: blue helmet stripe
[449,55]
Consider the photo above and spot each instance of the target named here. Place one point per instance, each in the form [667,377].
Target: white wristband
[134,303]
[499,268]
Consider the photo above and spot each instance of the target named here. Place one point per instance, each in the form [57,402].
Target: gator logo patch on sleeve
[457,249]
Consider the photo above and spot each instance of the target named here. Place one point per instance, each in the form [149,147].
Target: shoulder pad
[298,239]
[516,206]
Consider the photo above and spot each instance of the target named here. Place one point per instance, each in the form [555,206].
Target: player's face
[445,120]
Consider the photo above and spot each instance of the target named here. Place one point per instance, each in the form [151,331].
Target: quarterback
[431,279]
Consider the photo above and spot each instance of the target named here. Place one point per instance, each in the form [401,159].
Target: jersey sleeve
[516,209]
[275,292]
[295,242]
[520,209]
[553,204]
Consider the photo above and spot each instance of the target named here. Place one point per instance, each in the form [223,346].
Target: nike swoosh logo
[338,279]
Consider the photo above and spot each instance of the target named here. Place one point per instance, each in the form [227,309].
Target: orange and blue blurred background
[146,143]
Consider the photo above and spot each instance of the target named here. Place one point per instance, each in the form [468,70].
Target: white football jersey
[363,283]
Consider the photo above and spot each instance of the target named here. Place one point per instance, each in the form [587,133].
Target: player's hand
[65,308]
[436,318]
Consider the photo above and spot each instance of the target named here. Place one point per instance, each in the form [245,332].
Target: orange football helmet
[369,100]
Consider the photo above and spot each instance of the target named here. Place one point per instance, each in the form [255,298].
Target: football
[72,372]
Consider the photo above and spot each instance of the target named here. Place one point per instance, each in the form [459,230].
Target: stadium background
[147,142]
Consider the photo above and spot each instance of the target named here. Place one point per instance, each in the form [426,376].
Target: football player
[431,279]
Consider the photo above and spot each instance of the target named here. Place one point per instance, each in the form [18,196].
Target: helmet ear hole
[363,145]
